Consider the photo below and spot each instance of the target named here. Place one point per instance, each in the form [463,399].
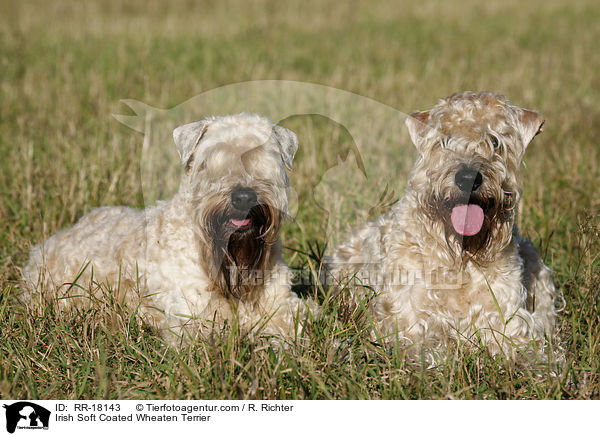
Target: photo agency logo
[25,415]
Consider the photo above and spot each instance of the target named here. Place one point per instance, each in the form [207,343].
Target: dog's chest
[426,284]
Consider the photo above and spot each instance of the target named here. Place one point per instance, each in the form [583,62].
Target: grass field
[65,66]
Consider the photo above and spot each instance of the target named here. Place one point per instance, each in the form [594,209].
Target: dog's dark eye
[190,163]
[494,142]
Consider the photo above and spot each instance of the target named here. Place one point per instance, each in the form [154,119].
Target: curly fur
[192,266]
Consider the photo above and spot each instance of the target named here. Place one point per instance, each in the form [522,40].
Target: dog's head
[235,179]
[467,178]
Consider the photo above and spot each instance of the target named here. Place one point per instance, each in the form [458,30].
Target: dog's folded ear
[287,141]
[530,124]
[187,138]
[416,123]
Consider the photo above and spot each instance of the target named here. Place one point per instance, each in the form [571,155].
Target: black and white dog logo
[26,415]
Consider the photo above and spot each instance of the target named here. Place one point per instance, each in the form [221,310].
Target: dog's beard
[238,246]
[479,241]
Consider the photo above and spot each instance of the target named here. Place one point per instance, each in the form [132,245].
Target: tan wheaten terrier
[210,254]
[447,262]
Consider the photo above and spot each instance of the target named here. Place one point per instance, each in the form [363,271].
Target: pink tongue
[467,219]
[240,223]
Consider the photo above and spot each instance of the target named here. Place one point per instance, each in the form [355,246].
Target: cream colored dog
[447,263]
[209,254]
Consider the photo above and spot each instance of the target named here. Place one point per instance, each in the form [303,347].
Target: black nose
[468,179]
[243,199]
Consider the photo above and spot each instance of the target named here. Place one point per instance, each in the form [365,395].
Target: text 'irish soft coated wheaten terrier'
[447,263]
[210,254]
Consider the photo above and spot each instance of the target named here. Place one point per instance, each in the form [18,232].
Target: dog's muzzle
[467,219]
[468,180]
[242,200]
